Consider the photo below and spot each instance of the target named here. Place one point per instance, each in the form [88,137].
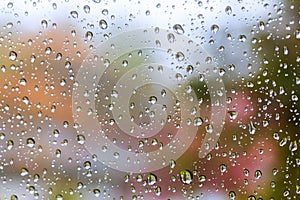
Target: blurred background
[253,47]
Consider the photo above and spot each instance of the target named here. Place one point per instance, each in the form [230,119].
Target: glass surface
[149,99]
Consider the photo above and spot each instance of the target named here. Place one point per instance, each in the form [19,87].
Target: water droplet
[103,24]
[44,23]
[86,9]
[23,81]
[214,28]
[10,144]
[171,37]
[172,164]
[124,63]
[293,146]
[232,195]
[261,25]
[257,174]
[96,192]
[12,55]
[228,10]
[186,176]
[297,34]
[242,38]
[151,179]
[97,1]
[157,191]
[232,114]
[14,197]
[74,14]
[283,141]
[80,139]
[152,100]
[223,168]
[198,121]
[24,172]
[88,35]
[178,29]
[10,5]
[30,142]
[179,56]
[251,128]
[56,133]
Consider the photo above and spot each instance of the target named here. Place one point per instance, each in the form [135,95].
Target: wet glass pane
[149,99]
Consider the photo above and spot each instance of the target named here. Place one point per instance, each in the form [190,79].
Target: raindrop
[178,29]
[251,128]
[228,10]
[179,56]
[214,28]
[257,174]
[171,37]
[97,1]
[103,24]
[30,142]
[242,38]
[261,25]
[24,172]
[232,195]
[10,5]
[88,35]
[125,63]
[158,191]
[172,164]
[23,81]
[223,168]
[198,121]
[44,23]
[86,9]
[186,176]
[80,139]
[96,192]
[12,55]
[151,179]
[232,114]
[74,14]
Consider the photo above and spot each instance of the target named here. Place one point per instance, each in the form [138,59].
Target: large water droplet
[186,176]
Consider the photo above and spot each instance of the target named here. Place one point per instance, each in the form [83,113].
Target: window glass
[149,99]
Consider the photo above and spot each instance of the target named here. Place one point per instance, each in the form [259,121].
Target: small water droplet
[178,29]
[30,142]
[80,139]
[24,171]
[152,100]
[44,23]
[86,9]
[228,10]
[261,25]
[12,55]
[232,195]
[179,56]
[103,24]
[223,168]
[88,35]
[96,192]
[251,128]
[198,121]
[257,174]
[74,14]
[214,28]
[232,114]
